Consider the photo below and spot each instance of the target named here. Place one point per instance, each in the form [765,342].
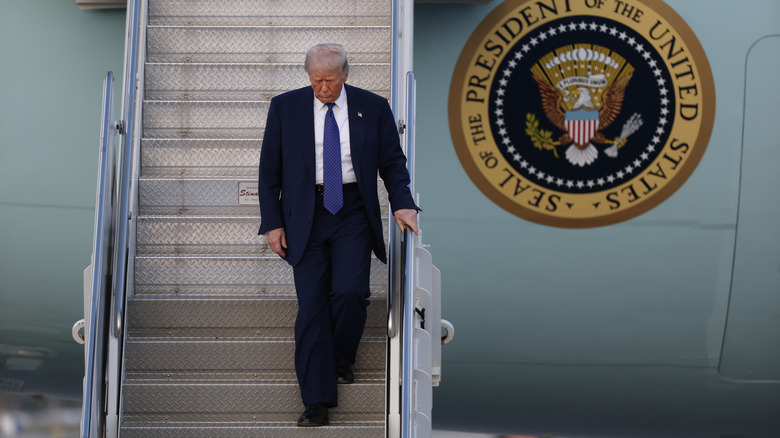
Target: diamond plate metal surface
[274,44]
[204,115]
[219,270]
[224,290]
[304,11]
[246,376]
[228,356]
[205,313]
[209,349]
[339,419]
[201,235]
[261,81]
[203,133]
[215,153]
[231,431]
[248,398]
[230,333]
[175,193]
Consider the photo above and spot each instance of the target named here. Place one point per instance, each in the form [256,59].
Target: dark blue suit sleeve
[270,173]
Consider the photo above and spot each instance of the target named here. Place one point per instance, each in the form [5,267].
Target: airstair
[199,317]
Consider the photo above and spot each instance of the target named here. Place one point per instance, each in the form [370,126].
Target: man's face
[327,85]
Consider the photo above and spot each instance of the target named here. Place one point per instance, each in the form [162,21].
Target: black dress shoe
[345,374]
[314,416]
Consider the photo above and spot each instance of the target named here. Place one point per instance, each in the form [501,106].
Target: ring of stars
[621,174]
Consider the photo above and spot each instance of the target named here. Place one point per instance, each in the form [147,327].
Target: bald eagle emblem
[582,88]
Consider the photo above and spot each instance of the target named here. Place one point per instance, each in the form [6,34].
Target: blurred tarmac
[23,416]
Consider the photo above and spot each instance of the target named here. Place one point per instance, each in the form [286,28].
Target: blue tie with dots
[333,196]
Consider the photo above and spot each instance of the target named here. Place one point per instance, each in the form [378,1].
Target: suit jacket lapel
[356,128]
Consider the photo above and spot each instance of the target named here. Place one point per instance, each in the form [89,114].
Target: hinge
[120,127]
[401,126]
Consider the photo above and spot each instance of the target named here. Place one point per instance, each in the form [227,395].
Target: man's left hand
[406,218]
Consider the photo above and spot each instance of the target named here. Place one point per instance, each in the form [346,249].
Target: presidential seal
[581,113]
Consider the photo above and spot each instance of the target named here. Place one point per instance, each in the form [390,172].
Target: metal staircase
[208,348]
[190,334]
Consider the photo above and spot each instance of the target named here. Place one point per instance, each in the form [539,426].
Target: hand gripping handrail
[91,422]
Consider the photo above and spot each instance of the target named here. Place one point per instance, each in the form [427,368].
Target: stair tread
[257,419]
[288,376]
[239,398]
[286,429]
[227,332]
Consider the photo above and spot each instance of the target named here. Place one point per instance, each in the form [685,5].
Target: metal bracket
[449,331]
[76,331]
[401,126]
[120,127]
[421,313]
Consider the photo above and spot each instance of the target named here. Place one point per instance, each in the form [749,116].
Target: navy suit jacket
[287,178]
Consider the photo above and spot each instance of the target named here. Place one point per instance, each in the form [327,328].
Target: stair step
[198,119]
[286,12]
[231,332]
[188,195]
[175,271]
[370,376]
[378,291]
[257,81]
[188,402]
[275,44]
[335,430]
[193,154]
[202,235]
[148,314]
[183,358]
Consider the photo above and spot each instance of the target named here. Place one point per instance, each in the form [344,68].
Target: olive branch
[540,138]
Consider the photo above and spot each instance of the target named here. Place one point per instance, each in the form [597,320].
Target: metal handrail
[407,423]
[111,212]
[393,239]
[125,160]
[409,245]
[91,421]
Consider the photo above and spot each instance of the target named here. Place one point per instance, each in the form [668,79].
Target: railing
[91,422]
[125,159]
[111,221]
[409,245]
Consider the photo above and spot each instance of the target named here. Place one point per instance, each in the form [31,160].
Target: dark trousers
[332,284]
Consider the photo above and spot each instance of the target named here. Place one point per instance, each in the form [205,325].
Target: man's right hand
[277,240]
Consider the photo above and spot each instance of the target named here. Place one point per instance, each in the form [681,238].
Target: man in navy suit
[322,150]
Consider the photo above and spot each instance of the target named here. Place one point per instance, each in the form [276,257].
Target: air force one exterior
[598,181]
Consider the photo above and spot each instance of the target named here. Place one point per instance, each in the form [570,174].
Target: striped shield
[582,125]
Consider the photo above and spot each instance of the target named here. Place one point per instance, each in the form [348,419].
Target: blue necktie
[333,196]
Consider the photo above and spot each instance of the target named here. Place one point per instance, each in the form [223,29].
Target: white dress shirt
[342,120]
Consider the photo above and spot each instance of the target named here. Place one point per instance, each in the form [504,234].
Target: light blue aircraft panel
[751,350]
